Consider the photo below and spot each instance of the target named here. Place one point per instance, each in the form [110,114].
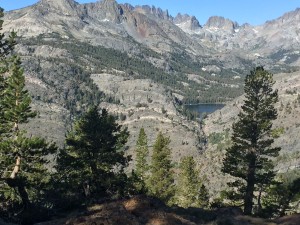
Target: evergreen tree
[142,153]
[161,181]
[23,172]
[23,160]
[93,161]
[17,101]
[139,175]
[190,190]
[281,194]
[203,197]
[249,159]
[6,48]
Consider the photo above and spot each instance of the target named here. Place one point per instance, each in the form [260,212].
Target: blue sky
[254,12]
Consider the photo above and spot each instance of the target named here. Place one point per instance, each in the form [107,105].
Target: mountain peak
[187,22]
[158,12]
[109,2]
[57,2]
[221,23]
[108,10]
[287,19]
[66,6]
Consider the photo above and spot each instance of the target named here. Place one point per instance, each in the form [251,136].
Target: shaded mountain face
[107,10]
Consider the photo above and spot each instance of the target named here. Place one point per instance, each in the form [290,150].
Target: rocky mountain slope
[143,64]
[146,104]
[109,24]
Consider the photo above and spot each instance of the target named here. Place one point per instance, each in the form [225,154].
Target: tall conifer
[93,161]
[161,181]
[23,163]
[6,47]
[142,153]
[250,157]
[190,190]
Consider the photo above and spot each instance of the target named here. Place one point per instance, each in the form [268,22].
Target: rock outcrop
[187,23]
[218,22]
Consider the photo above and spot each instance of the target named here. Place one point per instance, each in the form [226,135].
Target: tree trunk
[16,168]
[20,186]
[259,199]
[248,199]
[14,182]
[24,195]
[285,204]
[86,188]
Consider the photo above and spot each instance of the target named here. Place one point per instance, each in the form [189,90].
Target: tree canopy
[161,181]
[190,191]
[249,159]
[94,157]
[24,160]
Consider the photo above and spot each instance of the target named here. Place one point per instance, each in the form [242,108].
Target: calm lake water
[204,108]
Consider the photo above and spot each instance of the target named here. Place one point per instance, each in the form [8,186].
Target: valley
[144,66]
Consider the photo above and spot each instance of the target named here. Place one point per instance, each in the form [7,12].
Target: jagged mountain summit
[106,23]
[187,23]
[218,22]
[103,23]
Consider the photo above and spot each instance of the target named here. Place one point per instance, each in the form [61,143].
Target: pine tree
[23,172]
[161,181]
[16,98]
[23,160]
[142,153]
[6,44]
[190,190]
[93,161]
[203,197]
[249,159]
[139,175]
[279,197]
[6,48]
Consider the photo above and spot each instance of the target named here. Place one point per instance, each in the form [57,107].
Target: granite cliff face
[217,22]
[187,23]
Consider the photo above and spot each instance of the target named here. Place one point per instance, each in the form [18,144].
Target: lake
[204,108]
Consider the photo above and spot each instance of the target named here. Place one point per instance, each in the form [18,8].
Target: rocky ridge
[187,23]
[106,23]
